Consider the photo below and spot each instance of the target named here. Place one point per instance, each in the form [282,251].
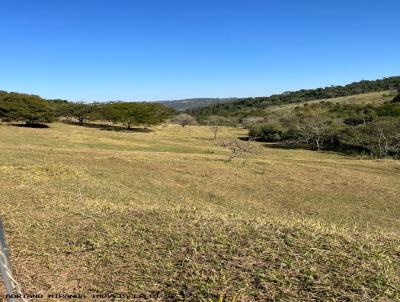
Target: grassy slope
[365,98]
[88,210]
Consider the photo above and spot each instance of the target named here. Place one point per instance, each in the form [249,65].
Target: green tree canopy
[23,107]
[132,113]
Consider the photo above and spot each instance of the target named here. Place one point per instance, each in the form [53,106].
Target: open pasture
[163,213]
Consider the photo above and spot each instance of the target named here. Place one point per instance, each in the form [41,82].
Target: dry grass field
[163,216]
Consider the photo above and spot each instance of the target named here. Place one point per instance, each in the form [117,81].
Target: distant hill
[186,104]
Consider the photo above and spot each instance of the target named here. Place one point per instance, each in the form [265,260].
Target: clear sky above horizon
[95,50]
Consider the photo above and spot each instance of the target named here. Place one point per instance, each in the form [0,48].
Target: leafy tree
[156,113]
[389,109]
[81,111]
[58,107]
[269,131]
[356,115]
[131,113]
[30,109]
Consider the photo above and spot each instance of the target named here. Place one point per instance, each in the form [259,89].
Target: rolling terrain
[163,214]
[373,98]
[255,106]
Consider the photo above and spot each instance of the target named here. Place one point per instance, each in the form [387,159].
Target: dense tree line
[326,125]
[252,106]
[32,109]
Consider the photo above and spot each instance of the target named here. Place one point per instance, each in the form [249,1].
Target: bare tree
[215,121]
[240,148]
[314,130]
[184,119]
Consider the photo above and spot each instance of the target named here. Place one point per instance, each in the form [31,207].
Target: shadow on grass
[106,127]
[35,125]
[287,146]
[341,149]
[277,145]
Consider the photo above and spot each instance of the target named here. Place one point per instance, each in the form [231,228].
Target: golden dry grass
[93,211]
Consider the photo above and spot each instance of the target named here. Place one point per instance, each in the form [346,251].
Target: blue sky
[94,50]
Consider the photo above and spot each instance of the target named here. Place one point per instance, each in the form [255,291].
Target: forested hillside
[252,106]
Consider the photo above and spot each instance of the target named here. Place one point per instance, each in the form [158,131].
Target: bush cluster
[363,128]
